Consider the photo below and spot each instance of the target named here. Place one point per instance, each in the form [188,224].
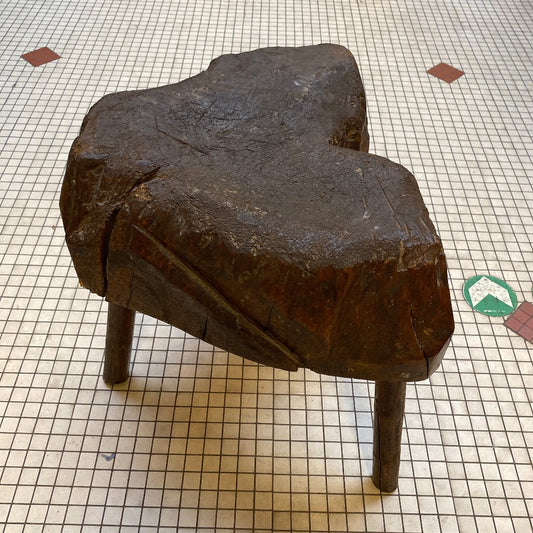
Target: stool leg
[120,322]
[389,405]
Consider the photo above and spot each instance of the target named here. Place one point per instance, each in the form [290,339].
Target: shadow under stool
[241,206]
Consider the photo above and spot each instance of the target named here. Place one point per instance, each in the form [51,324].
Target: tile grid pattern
[199,439]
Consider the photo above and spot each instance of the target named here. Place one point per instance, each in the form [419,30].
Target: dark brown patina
[240,205]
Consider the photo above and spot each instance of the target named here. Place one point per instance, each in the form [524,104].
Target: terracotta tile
[521,315]
[513,323]
[40,57]
[521,321]
[527,332]
[445,72]
[527,307]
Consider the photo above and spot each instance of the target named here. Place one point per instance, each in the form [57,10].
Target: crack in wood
[220,300]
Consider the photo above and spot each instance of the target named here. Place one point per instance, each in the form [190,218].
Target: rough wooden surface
[389,407]
[239,205]
[118,340]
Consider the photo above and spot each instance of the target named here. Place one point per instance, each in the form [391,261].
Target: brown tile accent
[521,321]
[40,56]
[445,72]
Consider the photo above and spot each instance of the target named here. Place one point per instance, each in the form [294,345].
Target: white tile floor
[200,440]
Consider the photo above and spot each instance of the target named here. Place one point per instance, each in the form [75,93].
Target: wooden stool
[240,206]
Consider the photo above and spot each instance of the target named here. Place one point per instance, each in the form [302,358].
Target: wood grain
[240,205]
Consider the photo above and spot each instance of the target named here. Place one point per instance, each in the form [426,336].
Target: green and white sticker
[490,296]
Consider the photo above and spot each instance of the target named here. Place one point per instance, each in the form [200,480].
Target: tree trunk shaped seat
[242,207]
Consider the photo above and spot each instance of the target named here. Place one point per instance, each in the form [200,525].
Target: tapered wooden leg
[389,405]
[119,336]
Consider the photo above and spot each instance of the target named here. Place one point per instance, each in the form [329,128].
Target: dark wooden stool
[240,205]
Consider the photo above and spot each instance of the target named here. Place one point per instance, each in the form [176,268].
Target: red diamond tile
[527,332]
[445,72]
[513,323]
[521,321]
[521,315]
[40,57]
[527,308]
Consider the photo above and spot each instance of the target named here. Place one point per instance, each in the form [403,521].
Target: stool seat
[230,206]
[241,206]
